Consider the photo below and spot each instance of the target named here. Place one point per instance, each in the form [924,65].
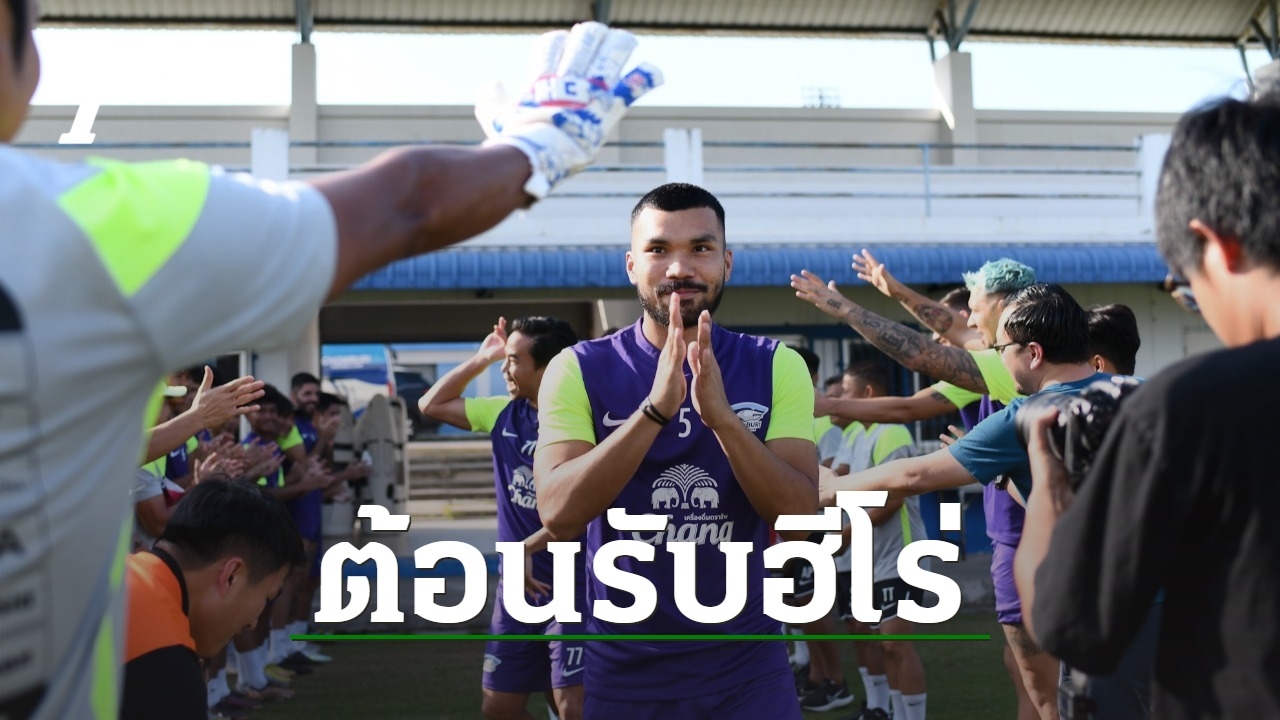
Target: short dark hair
[673,197]
[957,299]
[1046,314]
[870,373]
[1113,334]
[217,519]
[21,25]
[328,400]
[810,358]
[549,335]
[303,378]
[1222,168]
[273,398]
[833,380]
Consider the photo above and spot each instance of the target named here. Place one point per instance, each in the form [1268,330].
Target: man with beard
[722,447]
[514,669]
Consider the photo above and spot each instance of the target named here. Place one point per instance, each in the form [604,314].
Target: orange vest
[157,617]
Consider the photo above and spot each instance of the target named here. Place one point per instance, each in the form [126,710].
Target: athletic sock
[802,648]
[895,699]
[297,627]
[219,686]
[914,705]
[253,668]
[878,696]
[279,642]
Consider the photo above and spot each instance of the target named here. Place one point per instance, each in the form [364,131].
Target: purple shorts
[308,514]
[1008,604]
[529,666]
[772,696]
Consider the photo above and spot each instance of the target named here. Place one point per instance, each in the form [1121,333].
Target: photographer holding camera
[1184,492]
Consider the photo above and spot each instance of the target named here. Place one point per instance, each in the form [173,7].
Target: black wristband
[652,413]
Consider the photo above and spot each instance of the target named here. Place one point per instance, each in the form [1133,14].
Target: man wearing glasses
[1184,494]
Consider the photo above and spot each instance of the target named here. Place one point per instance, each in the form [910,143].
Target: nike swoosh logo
[610,422]
[567,673]
[507,434]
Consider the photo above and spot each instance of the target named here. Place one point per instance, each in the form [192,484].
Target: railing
[1122,178]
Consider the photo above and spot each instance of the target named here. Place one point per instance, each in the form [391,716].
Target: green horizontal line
[648,638]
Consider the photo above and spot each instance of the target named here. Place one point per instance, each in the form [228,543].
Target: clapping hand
[709,398]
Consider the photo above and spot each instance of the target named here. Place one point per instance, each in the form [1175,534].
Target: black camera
[1083,421]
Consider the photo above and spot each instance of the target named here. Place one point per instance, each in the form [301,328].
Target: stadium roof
[1176,22]
[765,266]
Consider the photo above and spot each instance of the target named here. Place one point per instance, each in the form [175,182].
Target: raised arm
[927,403]
[212,407]
[938,470]
[935,316]
[414,200]
[411,201]
[444,400]
[898,341]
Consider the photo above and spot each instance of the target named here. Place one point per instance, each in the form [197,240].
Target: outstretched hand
[709,399]
[824,296]
[952,435]
[494,347]
[874,272]
[577,95]
[216,405]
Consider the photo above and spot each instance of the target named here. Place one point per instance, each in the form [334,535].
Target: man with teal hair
[988,287]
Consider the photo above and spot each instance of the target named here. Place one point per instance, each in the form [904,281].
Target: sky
[189,67]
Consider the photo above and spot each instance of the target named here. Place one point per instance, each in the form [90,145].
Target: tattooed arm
[938,318]
[898,341]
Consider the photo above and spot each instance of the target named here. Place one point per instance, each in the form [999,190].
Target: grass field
[441,680]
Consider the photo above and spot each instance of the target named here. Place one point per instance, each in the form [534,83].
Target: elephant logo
[665,498]
[704,497]
[685,486]
[522,479]
[751,414]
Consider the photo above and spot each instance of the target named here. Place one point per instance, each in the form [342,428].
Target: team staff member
[95,258]
[224,553]
[723,451]
[514,669]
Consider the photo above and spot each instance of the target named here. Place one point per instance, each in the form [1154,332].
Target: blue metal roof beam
[765,265]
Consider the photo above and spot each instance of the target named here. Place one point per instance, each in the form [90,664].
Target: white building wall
[769,211]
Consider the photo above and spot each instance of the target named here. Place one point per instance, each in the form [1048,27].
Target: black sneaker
[297,663]
[827,696]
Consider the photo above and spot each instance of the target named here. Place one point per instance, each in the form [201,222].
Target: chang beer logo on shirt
[521,490]
[751,414]
[696,495]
